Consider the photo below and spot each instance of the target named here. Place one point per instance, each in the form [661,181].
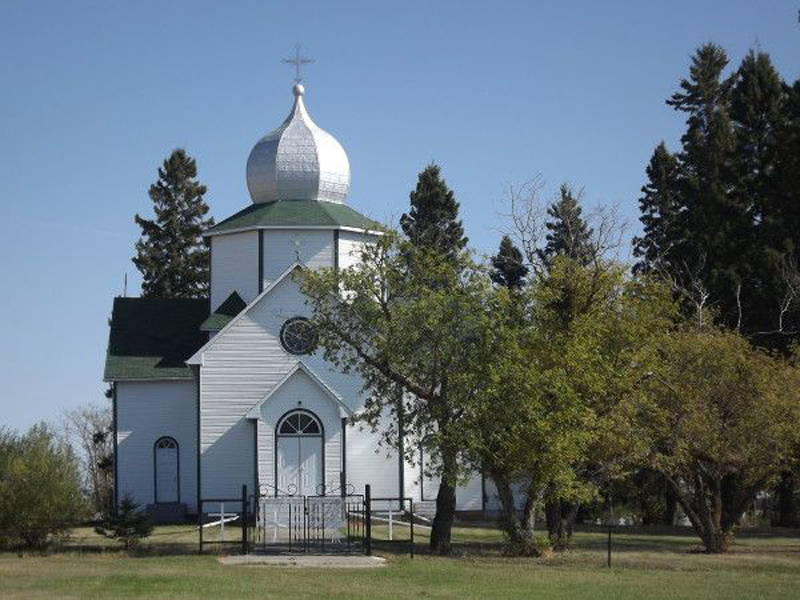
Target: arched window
[299,423]
[166,470]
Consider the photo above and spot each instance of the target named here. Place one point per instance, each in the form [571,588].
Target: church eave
[295,214]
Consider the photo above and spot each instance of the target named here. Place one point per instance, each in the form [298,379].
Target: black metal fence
[280,522]
[235,511]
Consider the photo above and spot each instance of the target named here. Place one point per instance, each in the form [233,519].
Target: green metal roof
[225,312]
[151,338]
[294,213]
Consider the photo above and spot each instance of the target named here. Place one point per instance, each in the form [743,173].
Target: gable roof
[294,213]
[197,357]
[254,412]
[232,306]
[151,338]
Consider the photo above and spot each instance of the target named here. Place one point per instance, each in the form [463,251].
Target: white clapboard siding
[469,496]
[241,367]
[300,392]
[146,411]
[369,463]
[282,246]
[234,266]
[493,499]
[350,246]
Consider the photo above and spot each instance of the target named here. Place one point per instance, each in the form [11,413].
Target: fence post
[368,523]
[244,519]
[200,522]
[411,509]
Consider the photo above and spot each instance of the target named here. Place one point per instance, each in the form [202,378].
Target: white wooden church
[213,394]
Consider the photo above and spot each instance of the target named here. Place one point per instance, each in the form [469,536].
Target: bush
[129,526]
[40,488]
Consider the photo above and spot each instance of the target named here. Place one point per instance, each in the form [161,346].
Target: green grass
[645,565]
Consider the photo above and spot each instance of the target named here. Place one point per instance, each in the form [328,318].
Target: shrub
[129,526]
[40,488]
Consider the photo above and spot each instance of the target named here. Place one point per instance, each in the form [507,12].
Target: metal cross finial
[297,61]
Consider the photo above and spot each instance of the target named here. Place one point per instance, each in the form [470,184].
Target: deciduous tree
[412,322]
[721,419]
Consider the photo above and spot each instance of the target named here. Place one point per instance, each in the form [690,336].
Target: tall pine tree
[433,220]
[171,254]
[660,206]
[508,268]
[715,223]
[568,234]
[757,114]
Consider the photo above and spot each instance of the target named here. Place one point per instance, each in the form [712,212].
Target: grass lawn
[645,565]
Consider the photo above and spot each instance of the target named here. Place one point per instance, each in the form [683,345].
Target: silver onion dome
[298,161]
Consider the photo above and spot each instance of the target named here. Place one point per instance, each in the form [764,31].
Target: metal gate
[331,521]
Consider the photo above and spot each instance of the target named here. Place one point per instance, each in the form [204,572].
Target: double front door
[300,465]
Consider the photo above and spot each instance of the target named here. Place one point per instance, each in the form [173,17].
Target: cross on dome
[298,160]
[298,61]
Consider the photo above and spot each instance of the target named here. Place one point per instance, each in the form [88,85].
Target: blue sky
[94,95]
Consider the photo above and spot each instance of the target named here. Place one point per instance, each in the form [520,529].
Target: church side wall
[234,266]
[367,462]
[281,248]
[350,244]
[146,411]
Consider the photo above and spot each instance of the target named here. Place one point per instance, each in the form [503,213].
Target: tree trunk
[560,517]
[705,511]
[509,520]
[785,491]
[670,506]
[442,525]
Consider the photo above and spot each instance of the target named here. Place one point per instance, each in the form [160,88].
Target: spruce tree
[568,234]
[716,226]
[508,268]
[783,218]
[433,220]
[757,101]
[659,206]
[170,254]
[757,114]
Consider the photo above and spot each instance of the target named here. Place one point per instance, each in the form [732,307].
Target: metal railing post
[244,519]
[368,523]
[411,510]
[200,522]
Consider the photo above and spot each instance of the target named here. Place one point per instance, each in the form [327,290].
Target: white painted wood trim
[197,357]
[344,410]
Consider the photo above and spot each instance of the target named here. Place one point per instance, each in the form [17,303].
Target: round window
[298,336]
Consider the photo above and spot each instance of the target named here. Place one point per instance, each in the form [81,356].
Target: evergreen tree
[757,100]
[660,207]
[433,219]
[508,269]
[170,254]
[757,113]
[129,525]
[716,225]
[568,233]
[782,217]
